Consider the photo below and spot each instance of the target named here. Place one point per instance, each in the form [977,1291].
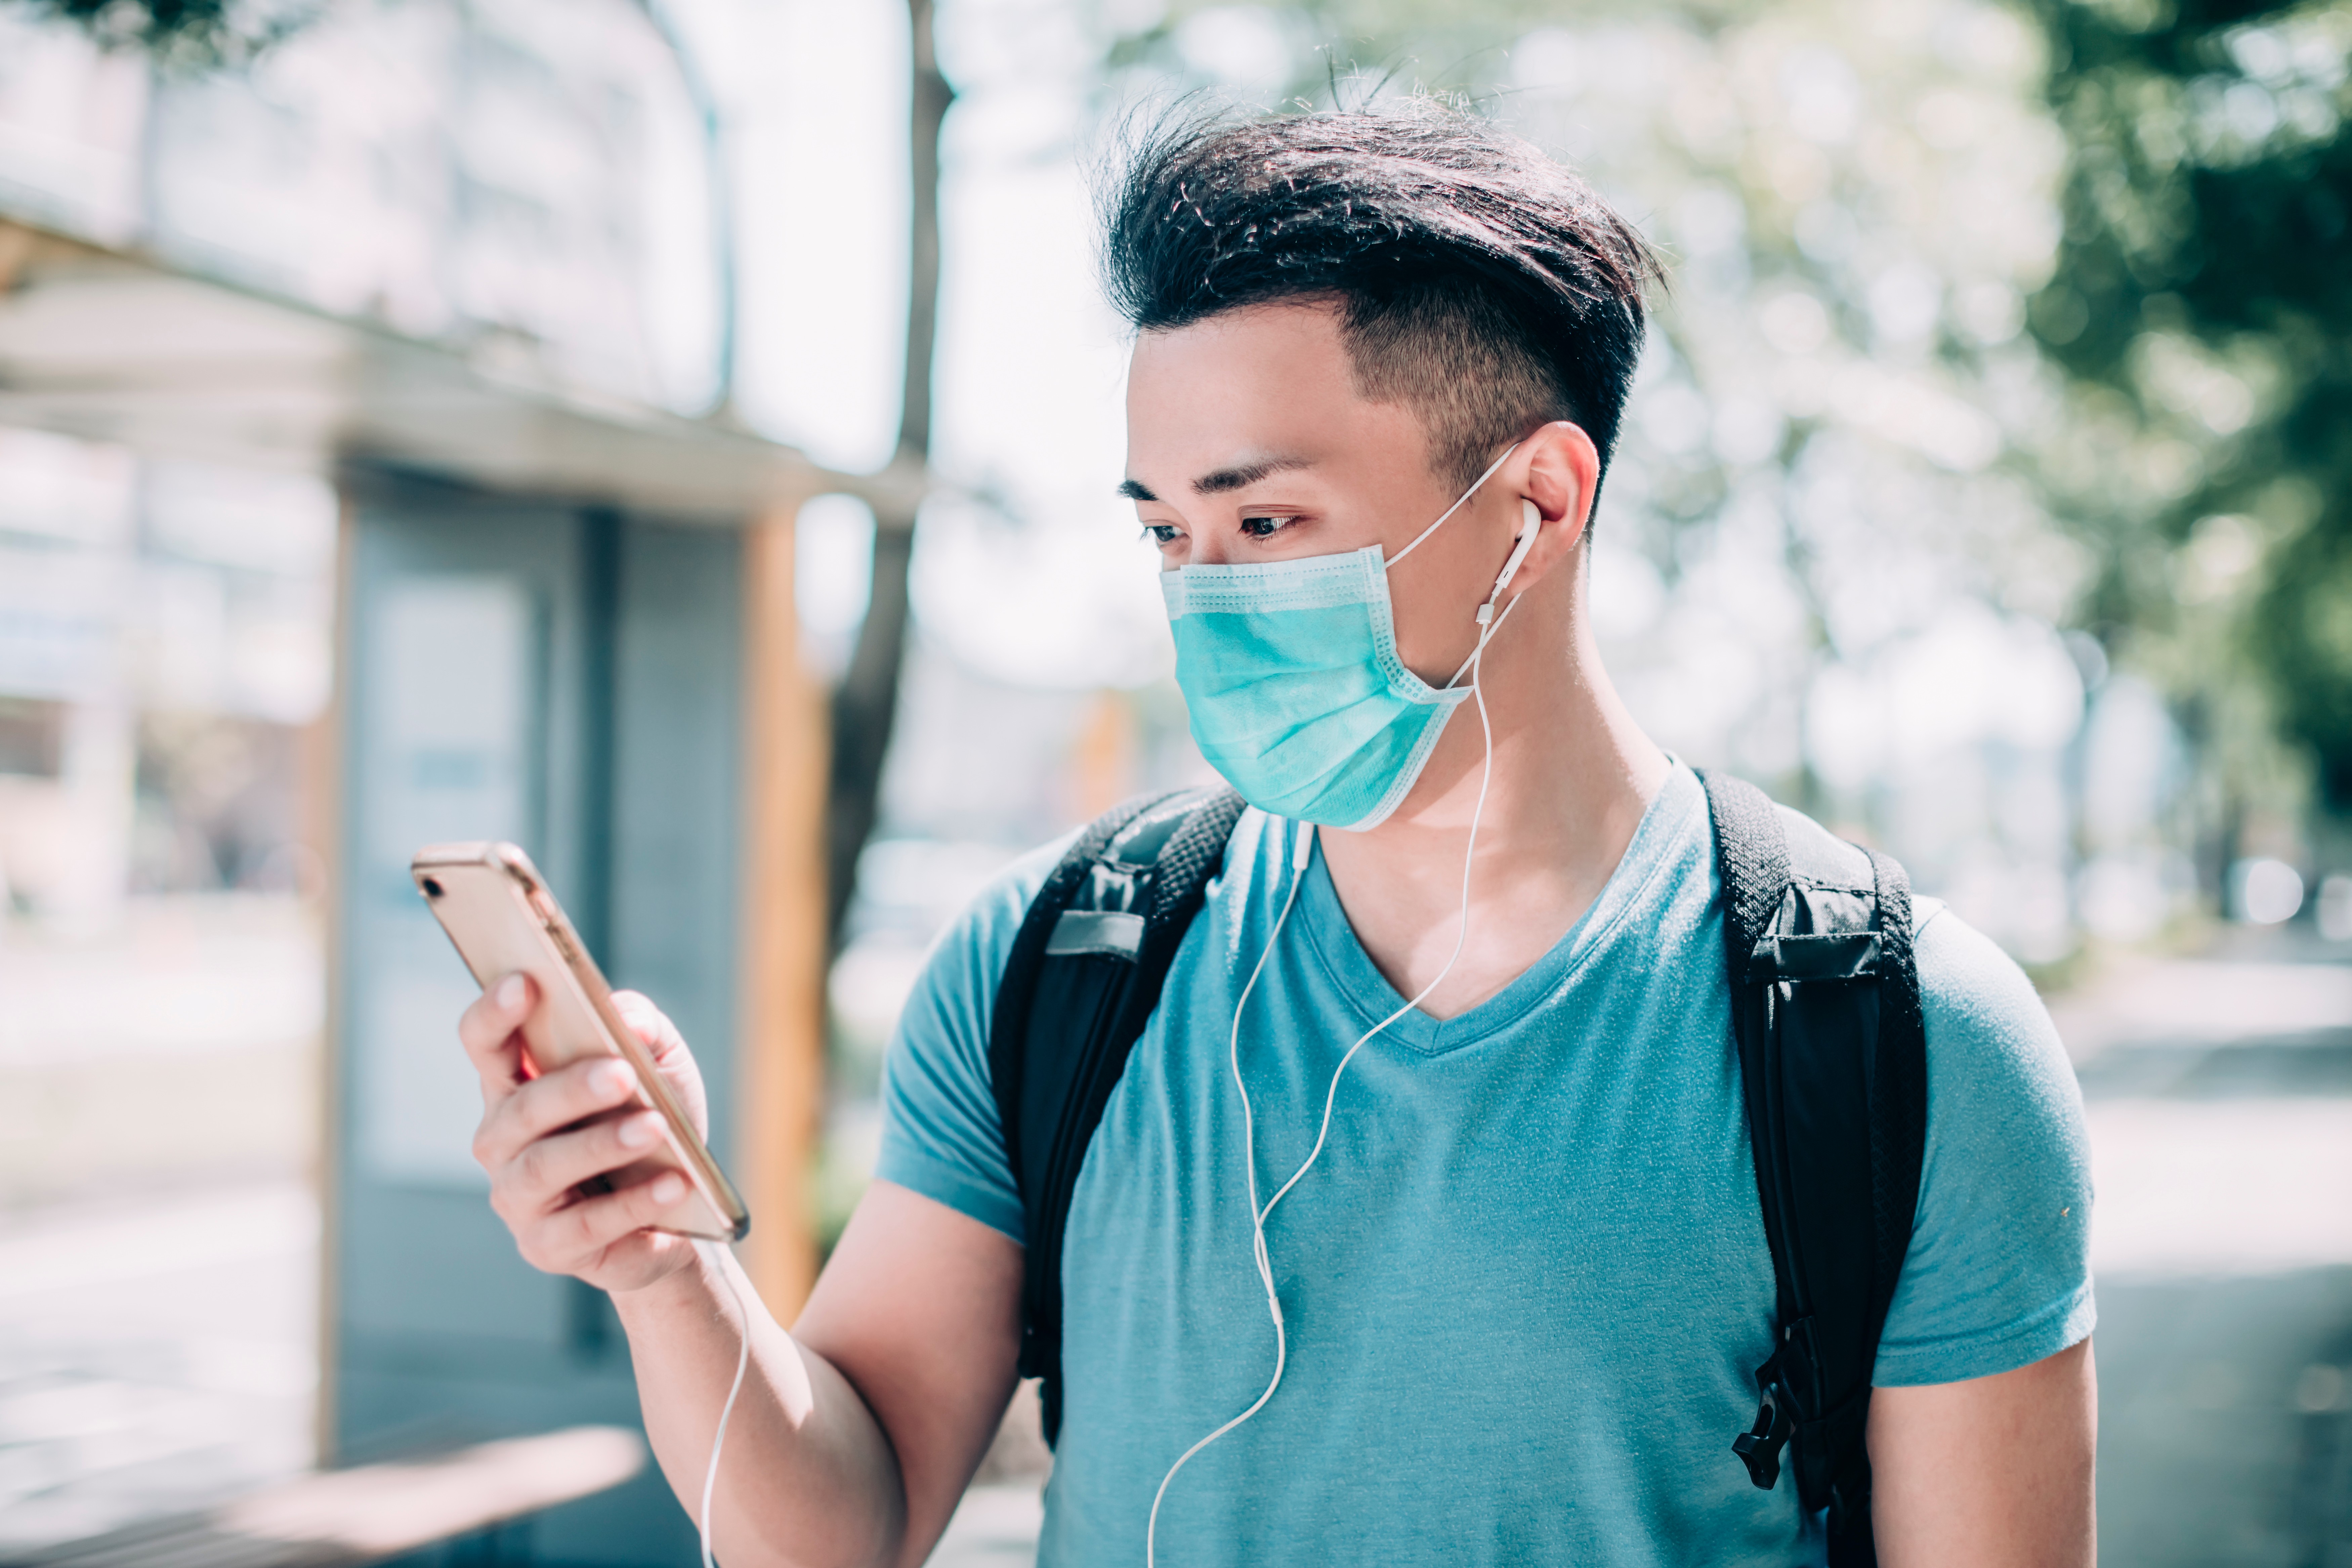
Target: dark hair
[1480,282]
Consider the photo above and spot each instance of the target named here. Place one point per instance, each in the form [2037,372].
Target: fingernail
[637,1131]
[669,1189]
[510,992]
[611,1077]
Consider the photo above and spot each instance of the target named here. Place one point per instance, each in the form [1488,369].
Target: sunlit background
[1987,492]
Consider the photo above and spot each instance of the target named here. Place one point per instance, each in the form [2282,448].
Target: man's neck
[1572,775]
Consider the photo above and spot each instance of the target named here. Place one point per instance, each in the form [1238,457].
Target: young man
[1523,1287]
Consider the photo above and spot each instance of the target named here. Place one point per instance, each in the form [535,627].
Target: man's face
[1247,441]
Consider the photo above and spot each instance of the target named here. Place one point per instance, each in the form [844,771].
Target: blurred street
[156,1354]
[159,1232]
[2220,1107]
[177,1047]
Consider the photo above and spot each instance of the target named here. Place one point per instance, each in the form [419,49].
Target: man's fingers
[651,1026]
[671,1059]
[555,1100]
[585,1229]
[488,1031]
[546,1171]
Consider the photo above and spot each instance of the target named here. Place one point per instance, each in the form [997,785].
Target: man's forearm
[808,1477]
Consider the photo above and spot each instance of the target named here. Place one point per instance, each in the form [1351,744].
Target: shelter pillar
[784,943]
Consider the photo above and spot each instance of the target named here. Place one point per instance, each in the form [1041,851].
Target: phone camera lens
[431,889]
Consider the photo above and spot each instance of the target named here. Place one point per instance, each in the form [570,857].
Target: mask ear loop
[1450,510]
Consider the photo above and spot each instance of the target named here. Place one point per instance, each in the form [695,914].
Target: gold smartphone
[498,912]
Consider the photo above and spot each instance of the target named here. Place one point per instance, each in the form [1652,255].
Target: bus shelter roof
[111,345]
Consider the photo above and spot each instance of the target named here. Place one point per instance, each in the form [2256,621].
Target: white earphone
[1489,623]
[1532,515]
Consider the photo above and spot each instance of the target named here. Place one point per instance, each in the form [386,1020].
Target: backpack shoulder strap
[1825,1014]
[1081,981]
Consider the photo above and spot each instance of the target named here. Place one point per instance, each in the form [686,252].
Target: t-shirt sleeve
[941,1135]
[1998,1275]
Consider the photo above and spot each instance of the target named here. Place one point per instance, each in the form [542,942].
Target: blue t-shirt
[1526,1285]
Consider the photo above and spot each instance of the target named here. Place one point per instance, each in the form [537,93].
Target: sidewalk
[154,1355]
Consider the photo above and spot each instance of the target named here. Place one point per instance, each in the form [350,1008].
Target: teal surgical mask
[1297,694]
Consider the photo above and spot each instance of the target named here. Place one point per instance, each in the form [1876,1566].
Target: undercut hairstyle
[1479,283]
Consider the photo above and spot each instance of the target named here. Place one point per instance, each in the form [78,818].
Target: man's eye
[1162,532]
[1265,527]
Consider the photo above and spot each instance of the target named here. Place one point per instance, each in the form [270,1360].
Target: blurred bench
[367,1514]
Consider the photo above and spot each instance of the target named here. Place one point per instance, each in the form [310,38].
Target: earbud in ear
[1533,517]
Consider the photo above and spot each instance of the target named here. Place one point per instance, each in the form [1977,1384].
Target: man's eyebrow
[1136,490]
[1243,475]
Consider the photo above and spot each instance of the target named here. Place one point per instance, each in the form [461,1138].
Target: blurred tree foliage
[2180,403]
[189,34]
[2204,284]
[1854,197]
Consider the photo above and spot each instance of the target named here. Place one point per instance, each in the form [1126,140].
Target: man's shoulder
[1967,982]
[1998,1273]
[954,993]
[985,928]
[980,939]
[1818,856]
[1973,991]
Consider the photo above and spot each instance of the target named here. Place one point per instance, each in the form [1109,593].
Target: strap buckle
[1759,1447]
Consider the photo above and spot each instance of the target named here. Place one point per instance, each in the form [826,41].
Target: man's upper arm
[941,1133]
[1992,1472]
[1983,1422]
[919,1308]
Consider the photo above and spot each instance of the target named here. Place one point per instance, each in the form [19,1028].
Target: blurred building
[366,479]
[164,642]
[522,187]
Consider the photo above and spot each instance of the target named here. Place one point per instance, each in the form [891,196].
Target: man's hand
[1995,1472]
[857,1435]
[541,1137]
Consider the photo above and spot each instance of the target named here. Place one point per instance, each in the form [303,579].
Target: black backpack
[1833,1059]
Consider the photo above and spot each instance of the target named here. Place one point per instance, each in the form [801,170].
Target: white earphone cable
[1488,625]
[715,1254]
[1300,857]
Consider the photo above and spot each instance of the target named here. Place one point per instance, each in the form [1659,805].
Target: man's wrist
[688,1287]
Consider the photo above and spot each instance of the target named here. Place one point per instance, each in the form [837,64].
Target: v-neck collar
[1679,805]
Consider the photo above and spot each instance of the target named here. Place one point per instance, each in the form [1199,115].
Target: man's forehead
[1228,401]
[1239,472]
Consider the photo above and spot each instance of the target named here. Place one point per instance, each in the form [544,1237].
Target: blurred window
[31,735]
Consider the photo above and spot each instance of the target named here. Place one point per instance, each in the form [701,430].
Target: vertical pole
[784,949]
[328,782]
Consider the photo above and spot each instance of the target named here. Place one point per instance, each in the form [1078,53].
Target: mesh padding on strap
[1753,859]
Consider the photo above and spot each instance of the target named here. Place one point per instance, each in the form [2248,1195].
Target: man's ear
[1558,471]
